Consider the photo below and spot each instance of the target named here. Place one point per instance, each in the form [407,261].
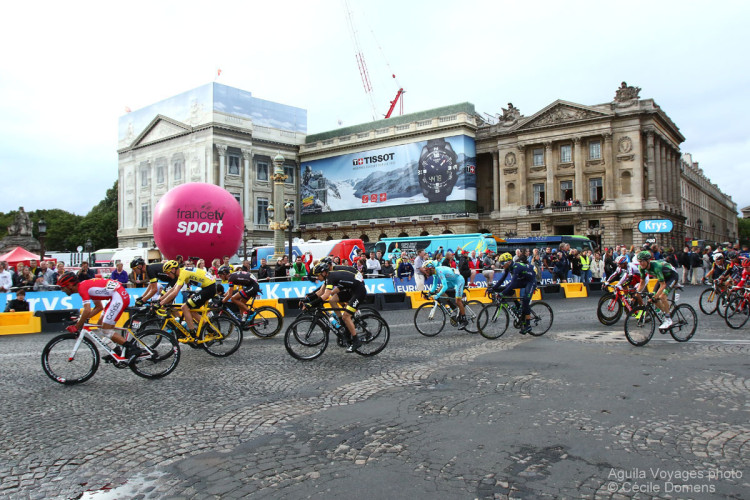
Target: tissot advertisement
[432,171]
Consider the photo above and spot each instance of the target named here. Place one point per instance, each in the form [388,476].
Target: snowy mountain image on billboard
[395,175]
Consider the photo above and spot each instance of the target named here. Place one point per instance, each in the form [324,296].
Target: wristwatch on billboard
[438,170]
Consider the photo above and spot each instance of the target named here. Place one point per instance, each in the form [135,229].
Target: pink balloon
[198,220]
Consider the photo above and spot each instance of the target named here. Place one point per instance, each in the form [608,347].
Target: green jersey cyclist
[667,278]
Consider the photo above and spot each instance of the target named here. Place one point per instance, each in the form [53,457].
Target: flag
[218,73]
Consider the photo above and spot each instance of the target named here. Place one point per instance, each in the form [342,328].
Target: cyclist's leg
[358,296]
[194,302]
[459,290]
[239,299]
[525,295]
[111,314]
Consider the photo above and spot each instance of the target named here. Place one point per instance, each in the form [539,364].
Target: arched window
[625,183]
[364,238]
[382,235]
[424,233]
[484,230]
[345,237]
[403,235]
[329,237]
[447,231]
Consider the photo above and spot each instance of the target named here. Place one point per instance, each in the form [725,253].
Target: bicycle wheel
[684,323]
[266,323]
[165,354]
[306,338]
[707,301]
[609,309]
[374,333]
[222,336]
[57,362]
[429,319]
[493,321]
[136,319]
[639,326]
[472,309]
[737,312]
[723,302]
[541,318]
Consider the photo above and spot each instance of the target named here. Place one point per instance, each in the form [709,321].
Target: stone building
[215,134]
[710,214]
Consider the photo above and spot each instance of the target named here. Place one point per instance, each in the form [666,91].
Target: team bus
[344,249]
[478,242]
[542,242]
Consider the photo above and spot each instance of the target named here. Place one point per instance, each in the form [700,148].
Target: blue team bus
[542,242]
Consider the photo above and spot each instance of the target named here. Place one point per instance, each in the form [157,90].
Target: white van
[126,256]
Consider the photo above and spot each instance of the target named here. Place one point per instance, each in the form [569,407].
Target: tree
[743,228]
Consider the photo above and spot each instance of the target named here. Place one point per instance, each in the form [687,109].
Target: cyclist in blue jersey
[449,282]
[523,278]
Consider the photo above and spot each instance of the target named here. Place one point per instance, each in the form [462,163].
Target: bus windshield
[541,242]
[478,242]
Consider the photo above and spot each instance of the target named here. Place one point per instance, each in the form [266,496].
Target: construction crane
[362,65]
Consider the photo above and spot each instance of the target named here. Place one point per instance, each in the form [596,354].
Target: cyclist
[99,290]
[336,282]
[523,278]
[628,275]
[451,284]
[242,287]
[667,278]
[223,275]
[717,269]
[154,273]
[197,277]
[745,274]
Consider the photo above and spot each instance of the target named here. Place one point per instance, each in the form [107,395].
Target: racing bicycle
[494,317]
[307,337]
[429,318]
[265,322]
[73,358]
[737,309]
[641,322]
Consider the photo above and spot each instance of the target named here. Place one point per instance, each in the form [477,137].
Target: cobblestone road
[576,413]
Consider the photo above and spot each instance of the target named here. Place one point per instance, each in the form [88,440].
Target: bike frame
[173,319]
[97,340]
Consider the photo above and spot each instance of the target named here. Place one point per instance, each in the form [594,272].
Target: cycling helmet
[644,255]
[224,270]
[137,262]
[746,262]
[718,255]
[621,260]
[67,279]
[732,255]
[430,264]
[506,257]
[321,267]
[170,265]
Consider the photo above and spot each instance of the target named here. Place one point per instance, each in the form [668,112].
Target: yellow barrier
[269,303]
[416,299]
[574,290]
[477,293]
[19,322]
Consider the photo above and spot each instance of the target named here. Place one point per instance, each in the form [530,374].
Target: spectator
[684,260]
[536,261]
[624,251]
[707,264]
[405,269]
[597,268]
[26,279]
[48,274]
[215,264]
[575,265]
[18,304]
[449,260]
[120,275]
[337,261]
[298,271]
[419,276]
[488,268]
[387,270]
[361,266]
[265,272]
[560,272]
[201,264]
[34,268]
[463,265]
[6,279]
[670,258]
[696,262]
[85,273]
[282,267]
[373,265]
[15,274]
[307,261]
[137,276]
[585,262]
[438,257]
[609,263]
[475,266]
[379,256]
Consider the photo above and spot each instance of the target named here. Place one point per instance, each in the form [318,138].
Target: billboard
[430,171]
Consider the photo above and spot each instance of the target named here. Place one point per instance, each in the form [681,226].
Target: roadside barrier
[19,322]
[574,290]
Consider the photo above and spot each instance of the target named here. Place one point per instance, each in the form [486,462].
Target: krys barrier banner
[432,171]
[49,301]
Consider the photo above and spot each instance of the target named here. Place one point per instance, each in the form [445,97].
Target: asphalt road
[577,413]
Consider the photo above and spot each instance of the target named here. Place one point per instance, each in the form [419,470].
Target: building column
[578,163]
[247,157]
[522,175]
[650,164]
[663,169]
[550,189]
[495,181]
[609,169]
[222,149]
[501,193]
[677,180]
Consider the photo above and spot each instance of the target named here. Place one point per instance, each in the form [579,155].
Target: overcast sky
[69,69]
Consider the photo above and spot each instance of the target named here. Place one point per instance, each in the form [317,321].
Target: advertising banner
[432,171]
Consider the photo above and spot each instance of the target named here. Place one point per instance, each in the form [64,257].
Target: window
[596,192]
[262,170]
[538,157]
[238,197]
[625,183]
[566,153]
[289,172]
[261,216]
[566,190]
[144,174]
[177,167]
[536,226]
[538,195]
[595,150]
[145,215]
[160,174]
[512,194]
[234,165]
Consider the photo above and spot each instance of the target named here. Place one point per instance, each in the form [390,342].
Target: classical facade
[214,134]
[710,214]
[578,169]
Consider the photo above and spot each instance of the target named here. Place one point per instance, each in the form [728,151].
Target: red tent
[17,255]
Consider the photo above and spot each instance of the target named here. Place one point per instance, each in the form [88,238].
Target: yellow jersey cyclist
[336,282]
[667,278]
[451,284]
[193,276]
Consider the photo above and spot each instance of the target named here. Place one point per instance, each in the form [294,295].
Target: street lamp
[700,227]
[89,246]
[289,211]
[245,234]
[42,227]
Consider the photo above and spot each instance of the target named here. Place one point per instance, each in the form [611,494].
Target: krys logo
[366,160]
[212,221]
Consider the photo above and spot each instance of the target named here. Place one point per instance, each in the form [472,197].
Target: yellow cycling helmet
[506,257]
[170,265]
